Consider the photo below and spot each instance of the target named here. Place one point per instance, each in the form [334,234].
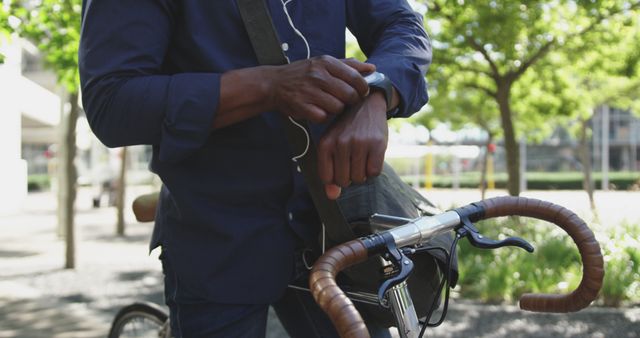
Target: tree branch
[479,48]
[546,48]
[468,67]
[495,73]
[484,89]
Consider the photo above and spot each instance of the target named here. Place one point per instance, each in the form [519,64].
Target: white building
[30,109]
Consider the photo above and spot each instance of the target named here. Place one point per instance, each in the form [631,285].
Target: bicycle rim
[139,322]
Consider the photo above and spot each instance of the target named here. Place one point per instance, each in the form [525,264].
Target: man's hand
[317,88]
[353,147]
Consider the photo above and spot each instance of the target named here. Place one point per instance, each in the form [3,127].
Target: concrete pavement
[40,299]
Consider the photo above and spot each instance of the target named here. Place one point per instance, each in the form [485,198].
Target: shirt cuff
[191,106]
[409,82]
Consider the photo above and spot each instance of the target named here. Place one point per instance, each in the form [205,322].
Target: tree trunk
[485,162]
[510,143]
[585,158]
[120,198]
[67,178]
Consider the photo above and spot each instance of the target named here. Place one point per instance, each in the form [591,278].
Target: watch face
[374,77]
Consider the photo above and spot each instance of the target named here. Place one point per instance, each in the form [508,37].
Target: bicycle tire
[140,314]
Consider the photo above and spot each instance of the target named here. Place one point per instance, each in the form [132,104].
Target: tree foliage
[4,26]
[516,53]
[54,25]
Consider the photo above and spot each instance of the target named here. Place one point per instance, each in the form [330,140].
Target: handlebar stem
[423,229]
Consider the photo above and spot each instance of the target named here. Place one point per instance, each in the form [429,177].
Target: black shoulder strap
[266,45]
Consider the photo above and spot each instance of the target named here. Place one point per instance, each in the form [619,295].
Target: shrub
[537,180]
[621,250]
[554,267]
[38,182]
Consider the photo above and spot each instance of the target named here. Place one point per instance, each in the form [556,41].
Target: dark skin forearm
[353,147]
[243,94]
[313,90]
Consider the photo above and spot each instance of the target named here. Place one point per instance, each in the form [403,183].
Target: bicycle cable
[446,278]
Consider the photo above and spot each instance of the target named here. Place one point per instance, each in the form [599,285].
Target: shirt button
[298,169]
[290,216]
[285,46]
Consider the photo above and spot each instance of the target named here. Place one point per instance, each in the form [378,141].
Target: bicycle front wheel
[140,320]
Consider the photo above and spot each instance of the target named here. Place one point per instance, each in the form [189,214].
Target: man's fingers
[375,161]
[361,67]
[328,102]
[342,163]
[341,91]
[325,161]
[358,164]
[333,191]
[312,113]
[349,75]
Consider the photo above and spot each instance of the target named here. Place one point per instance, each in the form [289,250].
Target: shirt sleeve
[392,36]
[127,97]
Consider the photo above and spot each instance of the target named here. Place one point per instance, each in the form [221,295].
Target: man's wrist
[265,76]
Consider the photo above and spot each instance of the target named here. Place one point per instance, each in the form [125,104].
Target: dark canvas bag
[348,218]
[388,194]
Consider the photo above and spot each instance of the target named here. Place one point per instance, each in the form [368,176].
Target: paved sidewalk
[40,299]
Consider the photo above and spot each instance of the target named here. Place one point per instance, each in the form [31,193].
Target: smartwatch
[379,82]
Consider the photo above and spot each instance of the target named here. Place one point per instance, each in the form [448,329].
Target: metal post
[456,166]
[633,146]
[605,148]
[596,136]
[523,164]
[428,168]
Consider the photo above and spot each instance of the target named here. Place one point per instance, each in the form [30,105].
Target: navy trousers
[297,311]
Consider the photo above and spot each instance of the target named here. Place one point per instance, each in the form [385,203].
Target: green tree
[54,25]
[4,26]
[490,47]
[461,108]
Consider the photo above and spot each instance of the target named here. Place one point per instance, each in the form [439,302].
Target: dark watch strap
[379,81]
[266,45]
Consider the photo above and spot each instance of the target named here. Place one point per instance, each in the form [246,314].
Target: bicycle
[395,241]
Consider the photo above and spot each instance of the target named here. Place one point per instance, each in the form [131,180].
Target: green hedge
[38,182]
[538,180]
[554,267]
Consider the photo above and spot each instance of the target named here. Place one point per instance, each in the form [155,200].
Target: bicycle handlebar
[592,261]
[348,321]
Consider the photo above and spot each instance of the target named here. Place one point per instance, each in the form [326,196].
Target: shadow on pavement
[17,253]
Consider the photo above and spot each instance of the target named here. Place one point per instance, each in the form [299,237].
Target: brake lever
[476,239]
[404,264]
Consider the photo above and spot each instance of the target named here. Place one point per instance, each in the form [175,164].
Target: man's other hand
[353,147]
[317,88]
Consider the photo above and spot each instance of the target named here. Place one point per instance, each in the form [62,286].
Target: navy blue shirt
[233,206]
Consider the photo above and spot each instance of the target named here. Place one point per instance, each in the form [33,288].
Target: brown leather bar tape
[592,261]
[322,283]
